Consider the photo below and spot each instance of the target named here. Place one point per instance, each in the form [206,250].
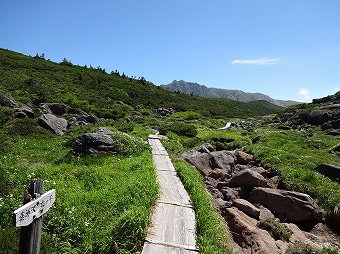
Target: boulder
[260,170]
[247,235]
[234,193]
[219,173]
[53,123]
[23,112]
[7,101]
[210,181]
[334,132]
[247,207]
[82,120]
[222,204]
[55,108]
[243,158]
[223,159]
[296,207]
[206,148]
[265,214]
[96,143]
[199,160]
[165,111]
[247,178]
[331,171]
[318,117]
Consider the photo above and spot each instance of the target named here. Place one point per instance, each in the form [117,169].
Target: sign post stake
[30,236]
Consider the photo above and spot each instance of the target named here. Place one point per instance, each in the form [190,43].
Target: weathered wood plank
[173,227]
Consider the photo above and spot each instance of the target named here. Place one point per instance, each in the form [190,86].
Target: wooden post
[30,236]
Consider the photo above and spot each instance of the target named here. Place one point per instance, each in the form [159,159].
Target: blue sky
[288,49]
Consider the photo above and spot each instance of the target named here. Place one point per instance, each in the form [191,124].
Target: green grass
[212,232]
[296,155]
[103,204]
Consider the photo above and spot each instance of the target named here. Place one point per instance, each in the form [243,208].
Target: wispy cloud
[259,61]
[305,94]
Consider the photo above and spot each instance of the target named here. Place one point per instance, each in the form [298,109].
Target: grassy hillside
[107,95]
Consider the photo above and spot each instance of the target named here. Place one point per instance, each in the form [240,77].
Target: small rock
[222,204]
[247,207]
[234,193]
[206,148]
[7,101]
[265,214]
[219,173]
[199,160]
[23,112]
[242,157]
[333,132]
[56,108]
[247,178]
[258,139]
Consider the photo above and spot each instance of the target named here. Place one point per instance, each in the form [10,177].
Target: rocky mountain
[210,92]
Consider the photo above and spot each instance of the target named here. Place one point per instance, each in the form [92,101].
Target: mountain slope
[237,95]
[32,79]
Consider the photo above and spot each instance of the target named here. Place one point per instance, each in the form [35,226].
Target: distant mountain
[237,95]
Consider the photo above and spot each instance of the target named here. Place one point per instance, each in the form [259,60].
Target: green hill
[34,79]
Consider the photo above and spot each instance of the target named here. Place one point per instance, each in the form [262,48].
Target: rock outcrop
[331,171]
[23,112]
[54,108]
[262,219]
[53,123]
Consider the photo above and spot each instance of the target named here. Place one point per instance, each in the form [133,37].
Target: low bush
[25,127]
[183,129]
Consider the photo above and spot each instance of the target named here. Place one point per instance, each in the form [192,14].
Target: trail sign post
[29,217]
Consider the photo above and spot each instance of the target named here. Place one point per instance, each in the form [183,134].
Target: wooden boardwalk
[173,226]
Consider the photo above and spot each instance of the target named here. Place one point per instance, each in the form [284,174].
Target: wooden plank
[25,215]
[153,248]
[174,225]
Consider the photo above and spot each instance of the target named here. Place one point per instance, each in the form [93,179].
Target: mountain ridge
[211,92]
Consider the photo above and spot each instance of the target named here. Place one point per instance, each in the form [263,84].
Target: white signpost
[29,216]
[25,215]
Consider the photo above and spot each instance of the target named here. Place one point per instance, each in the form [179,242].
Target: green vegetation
[302,248]
[103,204]
[296,154]
[279,230]
[212,232]
[33,79]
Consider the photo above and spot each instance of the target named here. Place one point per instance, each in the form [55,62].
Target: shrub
[5,115]
[187,115]
[25,127]
[183,129]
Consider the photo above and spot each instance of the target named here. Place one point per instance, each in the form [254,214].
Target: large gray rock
[318,117]
[100,142]
[223,159]
[23,112]
[55,108]
[243,158]
[331,171]
[7,101]
[296,207]
[82,120]
[247,178]
[53,123]
[199,160]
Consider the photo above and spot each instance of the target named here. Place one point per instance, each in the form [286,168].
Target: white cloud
[305,94]
[260,61]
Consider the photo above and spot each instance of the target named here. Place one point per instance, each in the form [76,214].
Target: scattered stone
[165,111]
[23,112]
[53,123]
[56,108]
[265,214]
[248,178]
[331,171]
[333,132]
[96,143]
[318,117]
[199,160]
[219,173]
[247,207]
[242,157]
[222,159]
[7,101]
[296,207]
[206,148]
[335,149]
[234,193]
[222,204]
